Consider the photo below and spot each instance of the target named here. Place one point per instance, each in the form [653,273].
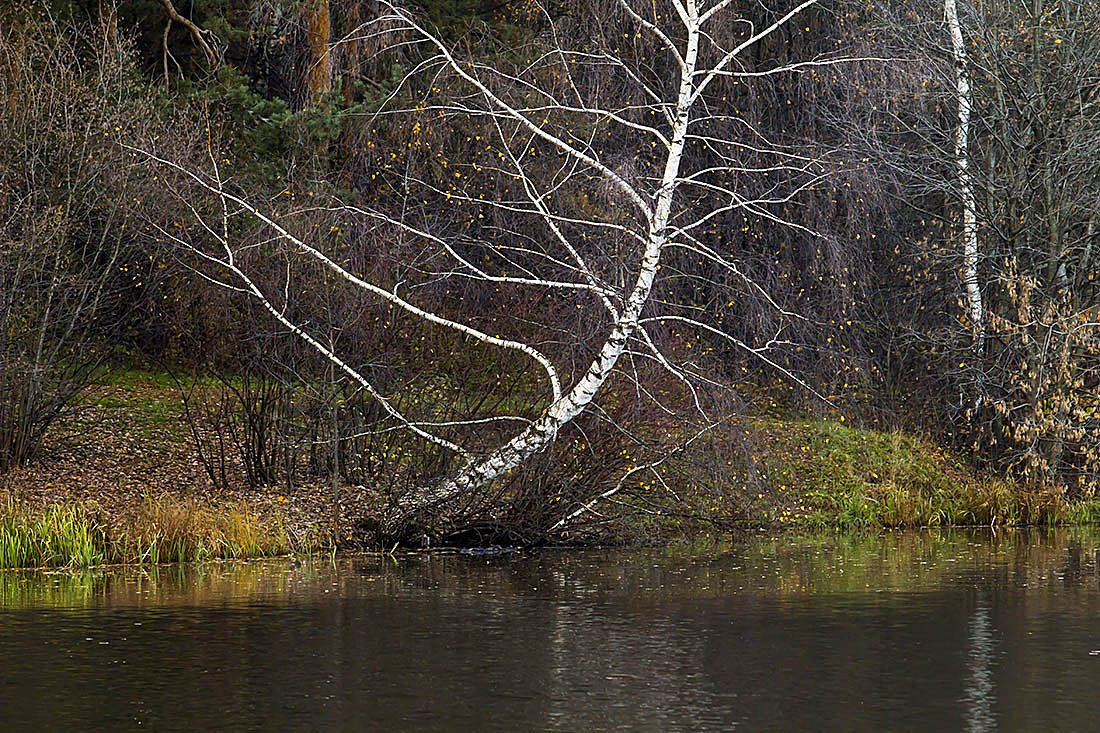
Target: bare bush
[65,266]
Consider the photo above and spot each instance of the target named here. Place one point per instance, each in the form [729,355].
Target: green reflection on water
[794,565]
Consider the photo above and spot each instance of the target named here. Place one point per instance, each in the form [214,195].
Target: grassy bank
[119,482]
[826,475]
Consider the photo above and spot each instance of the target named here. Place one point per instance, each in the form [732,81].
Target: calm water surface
[901,631]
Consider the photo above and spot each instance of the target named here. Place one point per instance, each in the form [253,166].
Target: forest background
[895,322]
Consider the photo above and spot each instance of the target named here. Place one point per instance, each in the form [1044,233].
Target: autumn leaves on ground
[119,480]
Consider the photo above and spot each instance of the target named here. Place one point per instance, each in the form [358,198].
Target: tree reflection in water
[980,693]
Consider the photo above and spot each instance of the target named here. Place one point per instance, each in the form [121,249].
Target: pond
[957,630]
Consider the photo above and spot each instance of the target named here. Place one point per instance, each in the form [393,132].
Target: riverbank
[119,481]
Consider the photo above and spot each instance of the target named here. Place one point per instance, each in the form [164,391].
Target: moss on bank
[827,475]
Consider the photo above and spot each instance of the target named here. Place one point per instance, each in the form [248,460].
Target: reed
[160,531]
[59,535]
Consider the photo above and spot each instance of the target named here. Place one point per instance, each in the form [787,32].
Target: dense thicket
[855,282]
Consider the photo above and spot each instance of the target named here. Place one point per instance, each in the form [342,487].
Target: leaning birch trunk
[571,404]
[512,454]
[542,432]
[966,182]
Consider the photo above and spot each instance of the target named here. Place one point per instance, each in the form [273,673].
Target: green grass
[1084,512]
[837,476]
[57,536]
[160,532]
[147,404]
[130,377]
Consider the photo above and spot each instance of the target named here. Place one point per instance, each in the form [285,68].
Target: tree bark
[352,49]
[966,182]
[318,39]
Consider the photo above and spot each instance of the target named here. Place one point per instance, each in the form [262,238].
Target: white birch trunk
[966,183]
[513,453]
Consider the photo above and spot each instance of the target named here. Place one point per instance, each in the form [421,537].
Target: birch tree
[966,184]
[554,213]
[1000,133]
